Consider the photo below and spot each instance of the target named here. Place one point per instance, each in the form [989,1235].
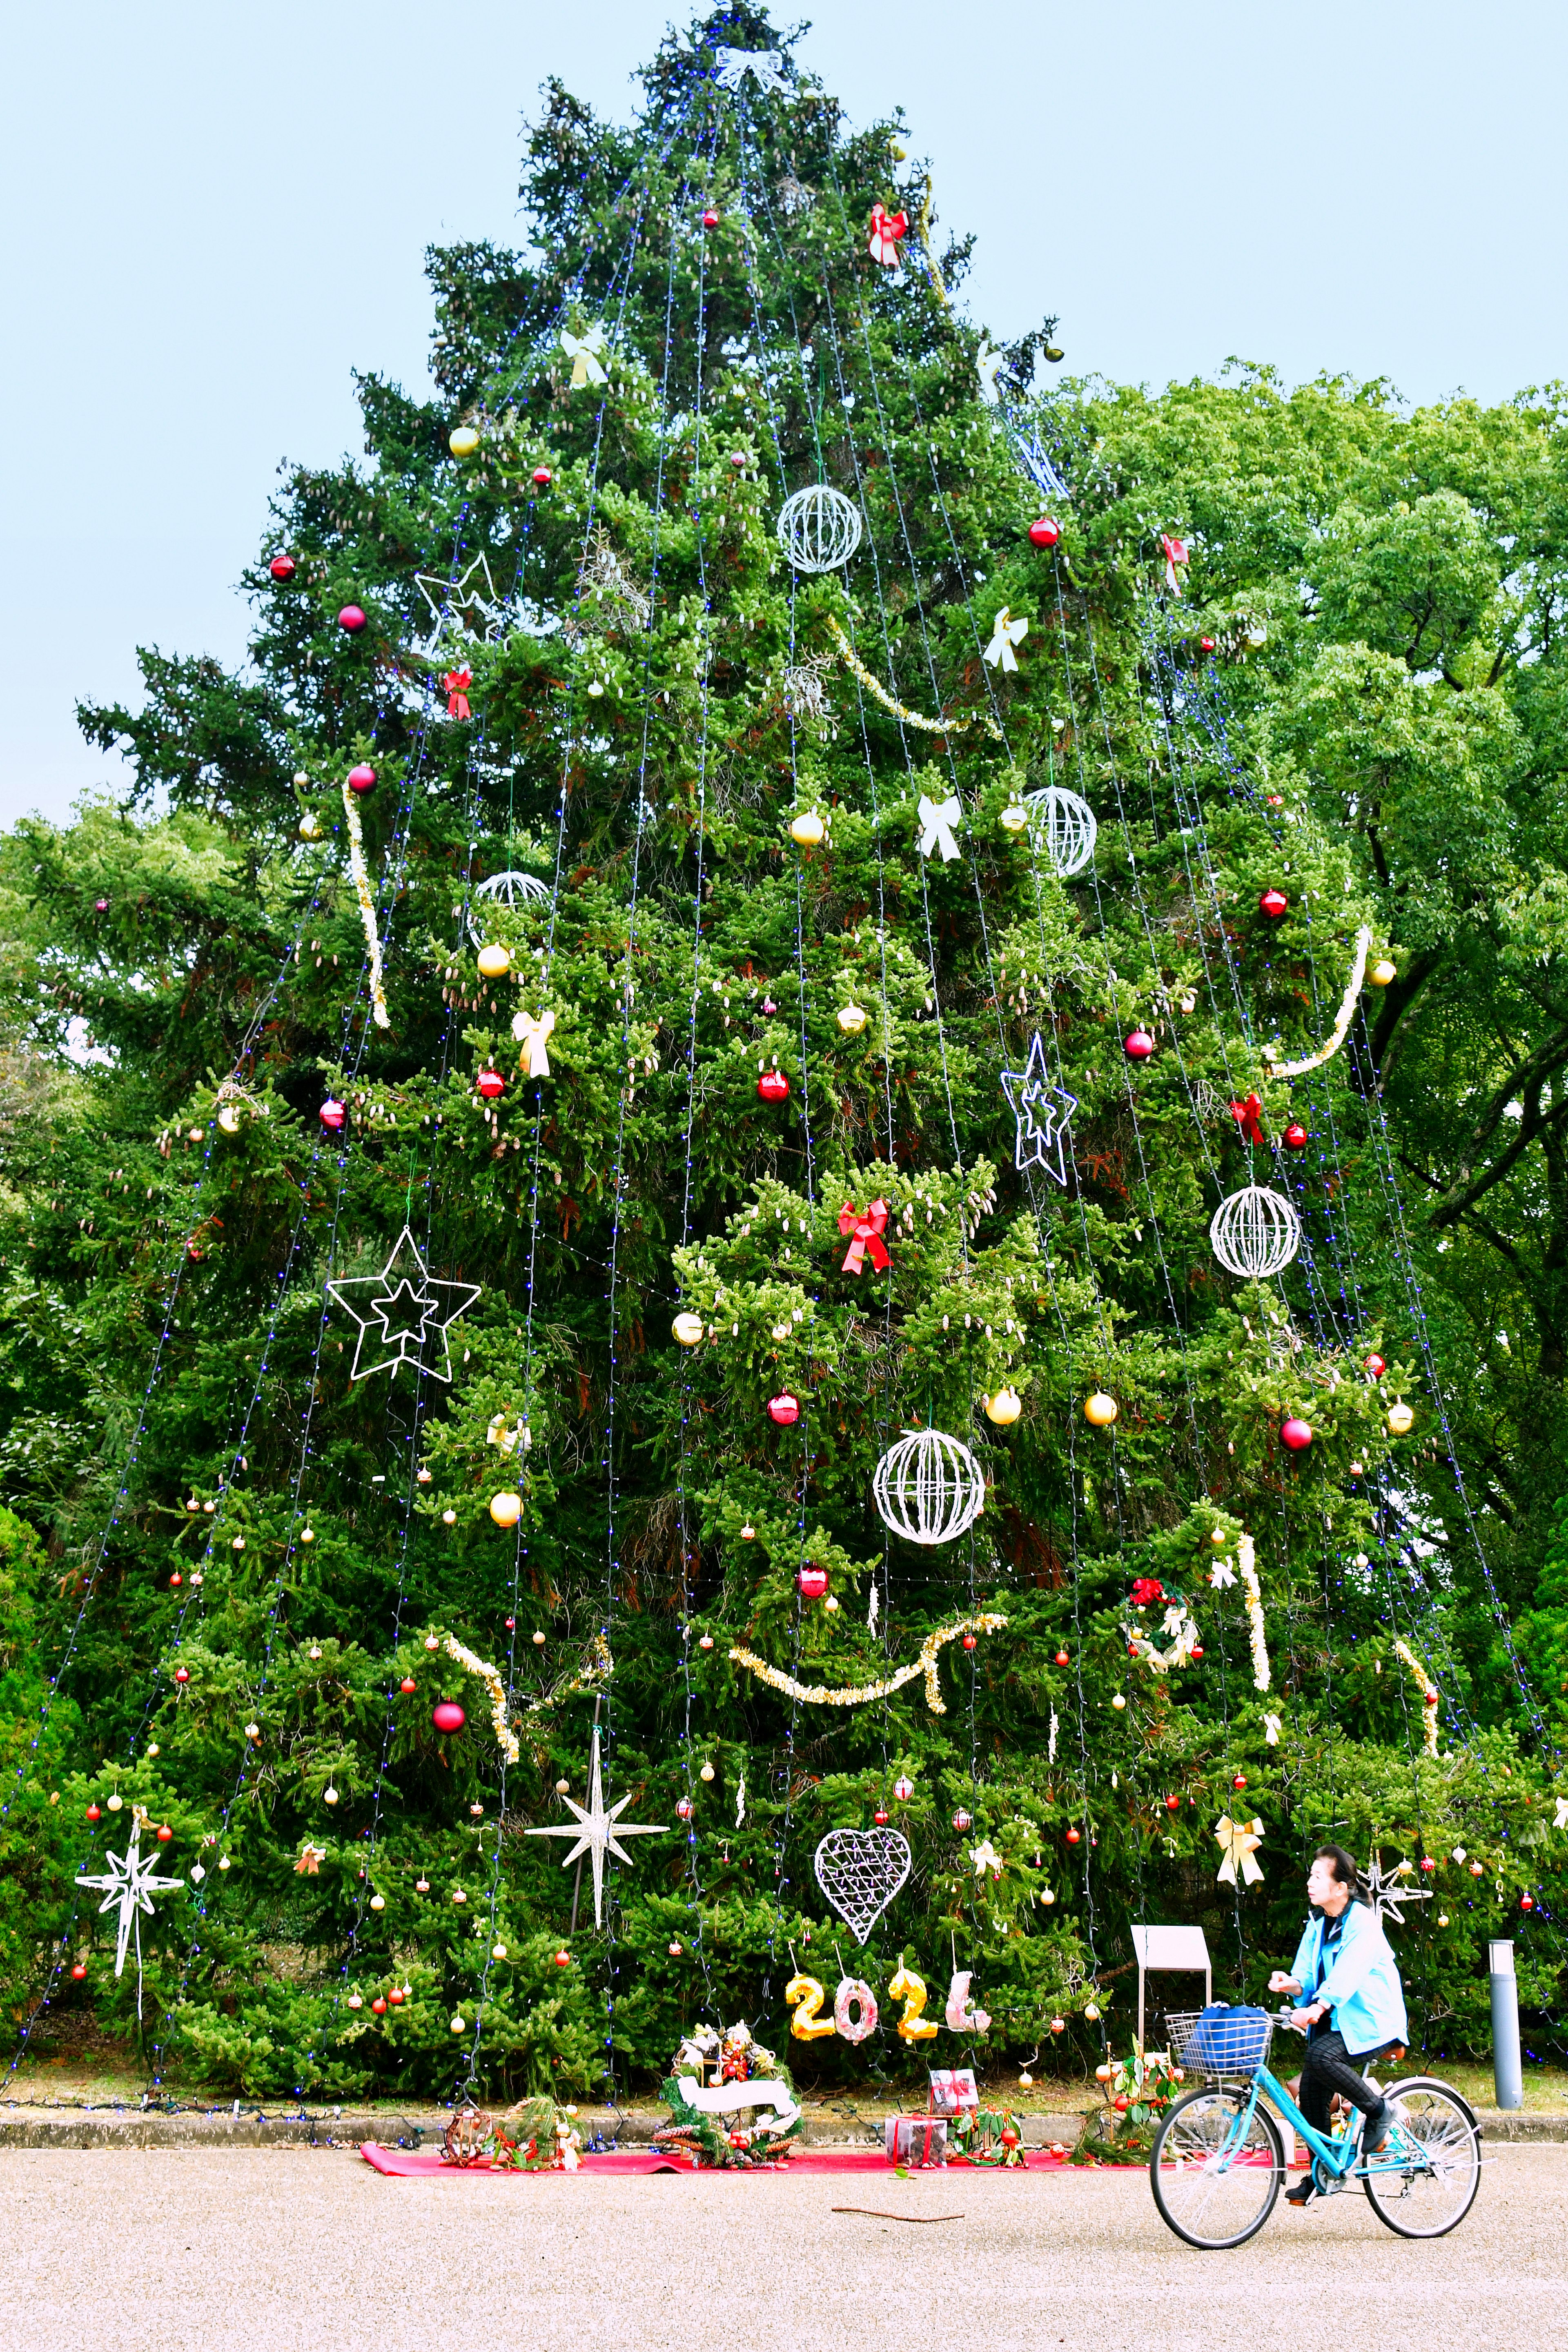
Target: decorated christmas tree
[701,1189]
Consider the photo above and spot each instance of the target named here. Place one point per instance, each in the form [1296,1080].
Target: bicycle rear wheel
[1436,2186]
[1214,2184]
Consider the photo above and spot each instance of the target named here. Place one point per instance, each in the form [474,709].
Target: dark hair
[1347,1870]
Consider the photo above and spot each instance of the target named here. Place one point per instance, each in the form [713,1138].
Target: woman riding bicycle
[1353,2008]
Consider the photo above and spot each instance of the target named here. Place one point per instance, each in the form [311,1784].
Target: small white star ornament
[1385,1892]
[404,1307]
[597,1831]
[453,600]
[131,1884]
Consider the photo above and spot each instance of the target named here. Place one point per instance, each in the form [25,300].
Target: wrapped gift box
[917,2140]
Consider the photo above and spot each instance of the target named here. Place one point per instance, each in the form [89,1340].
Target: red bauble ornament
[880,1817]
[379,2006]
[1430,1699]
[562,1959]
[447,1715]
[1239,1780]
[164,1832]
[490,1084]
[1062,1658]
[738,459]
[1045,532]
[1133,1649]
[1527,1901]
[93,1814]
[968,1641]
[1197,1651]
[783,1408]
[362,777]
[1139,1047]
[1375,1365]
[512,1624]
[542,477]
[773,1086]
[1206,645]
[78,1970]
[684,1808]
[281,567]
[332,1114]
[1428,1862]
[182,1673]
[709,218]
[1074,1838]
[176,1580]
[1172,1804]
[1273,904]
[408,1686]
[351,619]
[395,1995]
[1295,1137]
[811,1582]
[1296,1434]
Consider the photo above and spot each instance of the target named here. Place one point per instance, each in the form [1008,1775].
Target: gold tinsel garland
[819,1694]
[1429,1694]
[1337,1035]
[505,1737]
[367,909]
[852,662]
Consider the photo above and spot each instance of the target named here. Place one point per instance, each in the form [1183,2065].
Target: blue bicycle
[1218,2162]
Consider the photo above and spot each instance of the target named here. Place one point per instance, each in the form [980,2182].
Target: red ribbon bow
[1146,1589]
[867,1233]
[885,230]
[1246,1116]
[1175,551]
[456,683]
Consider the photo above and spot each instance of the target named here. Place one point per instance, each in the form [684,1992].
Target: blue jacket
[1366,2006]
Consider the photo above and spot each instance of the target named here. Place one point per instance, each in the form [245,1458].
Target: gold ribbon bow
[1006,633]
[1240,1842]
[533,1036]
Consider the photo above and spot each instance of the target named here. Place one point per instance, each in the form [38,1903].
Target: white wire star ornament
[405,1309]
[453,601]
[1385,1892]
[131,1883]
[597,1831]
[1042,1142]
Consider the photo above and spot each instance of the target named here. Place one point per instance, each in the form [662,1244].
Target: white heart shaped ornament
[860,1871]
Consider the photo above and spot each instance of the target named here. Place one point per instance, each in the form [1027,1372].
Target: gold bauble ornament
[228,1119]
[705,1772]
[852,1019]
[1381,972]
[688,1329]
[462,441]
[310,828]
[506,1509]
[1004,1408]
[494,960]
[1099,1408]
[1119,1702]
[806,828]
[1401,1421]
[1014,818]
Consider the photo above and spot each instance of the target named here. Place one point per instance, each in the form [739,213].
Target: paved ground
[185,2250]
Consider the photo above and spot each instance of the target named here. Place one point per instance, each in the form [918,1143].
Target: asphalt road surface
[264,2251]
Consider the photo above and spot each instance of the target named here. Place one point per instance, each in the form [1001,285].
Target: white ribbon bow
[533,1036]
[1238,1842]
[937,821]
[985,1857]
[580,351]
[1561,1821]
[1271,1729]
[1007,632]
[960,2017]
[734,65]
[1221,1574]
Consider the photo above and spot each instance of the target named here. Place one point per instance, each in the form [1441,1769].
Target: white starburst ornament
[1254,1232]
[1385,1892]
[597,1831]
[1064,827]
[1043,1130]
[130,1883]
[469,601]
[929,1487]
[404,1309]
[818,529]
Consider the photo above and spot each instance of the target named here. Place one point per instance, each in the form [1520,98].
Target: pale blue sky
[216,211]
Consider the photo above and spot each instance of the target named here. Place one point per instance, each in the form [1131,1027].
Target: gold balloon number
[804,1996]
[914,2025]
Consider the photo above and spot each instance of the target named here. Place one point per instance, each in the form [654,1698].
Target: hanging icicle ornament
[1254,1232]
[1246,1561]
[1063,825]
[1005,633]
[366,897]
[1429,1694]
[900,710]
[818,529]
[1342,1019]
[929,1487]
[863,1693]
[583,351]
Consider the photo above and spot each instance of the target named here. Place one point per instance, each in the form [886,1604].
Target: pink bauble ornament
[281,567]
[333,1113]
[1139,1047]
[1296,1434]
[447,1715]
[362,777]
[351,619]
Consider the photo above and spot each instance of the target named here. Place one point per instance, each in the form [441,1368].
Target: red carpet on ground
[423,2164]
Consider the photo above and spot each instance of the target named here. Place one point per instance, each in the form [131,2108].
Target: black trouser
[1329,2067]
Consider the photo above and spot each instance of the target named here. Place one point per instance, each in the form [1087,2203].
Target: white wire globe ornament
[1254,1232]
[818,529]
[927,1487]
[511,888]
[1063,825]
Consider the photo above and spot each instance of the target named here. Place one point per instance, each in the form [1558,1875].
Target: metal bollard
[1507,2072]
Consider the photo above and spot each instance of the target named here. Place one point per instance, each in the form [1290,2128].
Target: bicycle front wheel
[1214,2176]
[1435,2185]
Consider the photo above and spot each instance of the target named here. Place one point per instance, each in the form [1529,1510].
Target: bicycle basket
[1219,2040]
